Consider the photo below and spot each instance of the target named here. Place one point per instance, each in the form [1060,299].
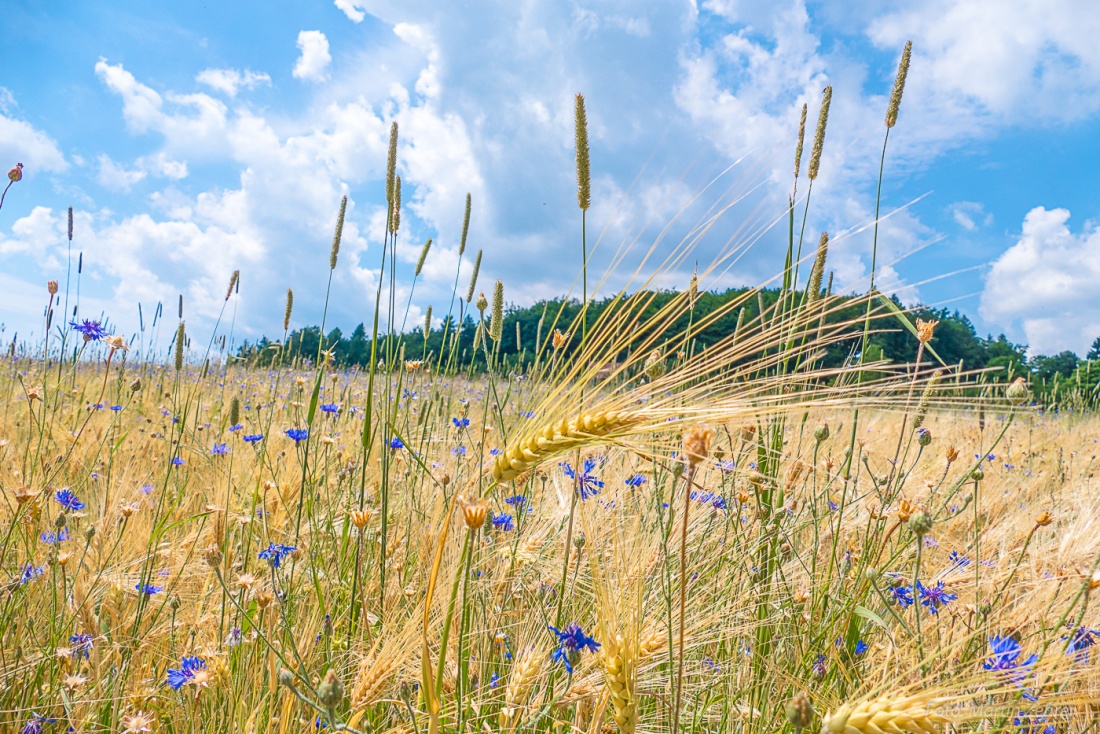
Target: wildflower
[571,643]
[298,434]
[473,513]
[116,408]
[234,637]
[396,443]
[516,500]
[819,665]
[903,595]
[459,451]
[177,461]
[55,538]
[861,647]
[186,673]
[219,449]
[587,483]
[635,480]
[925,329]
[727,466]
[148,589]
[330,408]
[81,644]
[93,331]
[34,725]
[236,427]
[30,573]
[935,597]
[137,723]
[274,553]
[503,522]
[253,438]
[116,342]
[1006,659]
[460,422]
[1080,641]
[494,681]
[68,500]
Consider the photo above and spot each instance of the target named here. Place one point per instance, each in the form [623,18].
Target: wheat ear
[619,661]
[906,714]
[526,672]
[558,438]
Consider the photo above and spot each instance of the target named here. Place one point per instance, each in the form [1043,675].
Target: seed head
[391,165]
[697,441]
[473,278]
[395,212]
[16,173]
[1017,392]
[335,238]
[925,330]
[584,166]
[331,690]
[951,453]
[359,519]
[819,134]
[801,139]
[474,513]
[51,286]
[232,283]
[180,337]
[654,365]
[116,343]
[817,272]
[482,302]
[920,523]
[423,256]
[70,224]
[428,322]
[465,226]
[234,411]
[558,339]
[1044,519]
[289,308]
[213,556]
[496,326]
[899,86]
[800,712]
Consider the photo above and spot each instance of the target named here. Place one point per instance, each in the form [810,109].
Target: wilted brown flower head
[697,441]
[925,329]
[51,286]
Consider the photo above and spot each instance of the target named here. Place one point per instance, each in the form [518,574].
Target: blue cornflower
[234,637]
[1031,724]
[30,573]
[588,484]
[903,595]
[274,553]
[177,461]
[727,466]
[935,597]
[235,428]
[298,434]
[219,449]
[861,647]
[185,673]
[819,665]
[93,331]
[1080,641]
[68,500]
[396,443]
[330,408]
[34,724]
[527,414]
[116,408]
[1006,659]
[503,522]
[253,438]
[635,480]
[571,643]
[518,500]
[459,451]
[494,681]
[461,422]
[148,589]
[719,503]
[81,644]
[958,561]
[54,538]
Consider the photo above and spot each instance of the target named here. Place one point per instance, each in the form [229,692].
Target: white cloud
[115,177]
[230,81]
[1044,287]
[37,151]
[970,215]
[314,61]
[354,9]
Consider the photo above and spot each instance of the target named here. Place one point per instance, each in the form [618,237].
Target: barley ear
[899,86]
[819,134]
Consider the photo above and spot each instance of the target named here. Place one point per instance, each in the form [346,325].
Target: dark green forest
[956,341]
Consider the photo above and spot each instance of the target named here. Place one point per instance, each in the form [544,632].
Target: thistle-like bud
[977,475]
[482,302]
[232,283]
[920,523]
[234,411]
[213,556]
[800,712]
[286,678]
[924,436]
[335,237]
[579,541]
[395,210]
[423,256]
[496,326]
[465,225]
[473,278]
[289,308]
[51,286]
[1044,519]
[697,441]
[951,453]
[16,173]
[821,433]
[359,519]
[899,86]
[801,139]
[474,513]
[819,134]
[89,533]
[926,330]
[558,339]
[180,337]
[584,166]
[1017,392]
[654,365]
[428,322]
[331,690]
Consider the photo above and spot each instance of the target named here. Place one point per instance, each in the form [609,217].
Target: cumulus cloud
[1044,287]
[313,63]
[354,9]
[230,81]
[21,141]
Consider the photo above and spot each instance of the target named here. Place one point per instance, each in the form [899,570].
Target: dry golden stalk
[904,714]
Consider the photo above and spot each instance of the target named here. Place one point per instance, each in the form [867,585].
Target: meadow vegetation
[666,512]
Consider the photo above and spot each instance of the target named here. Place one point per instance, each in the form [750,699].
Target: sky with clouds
[194,139]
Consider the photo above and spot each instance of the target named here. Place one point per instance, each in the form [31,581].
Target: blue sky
[193,139]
